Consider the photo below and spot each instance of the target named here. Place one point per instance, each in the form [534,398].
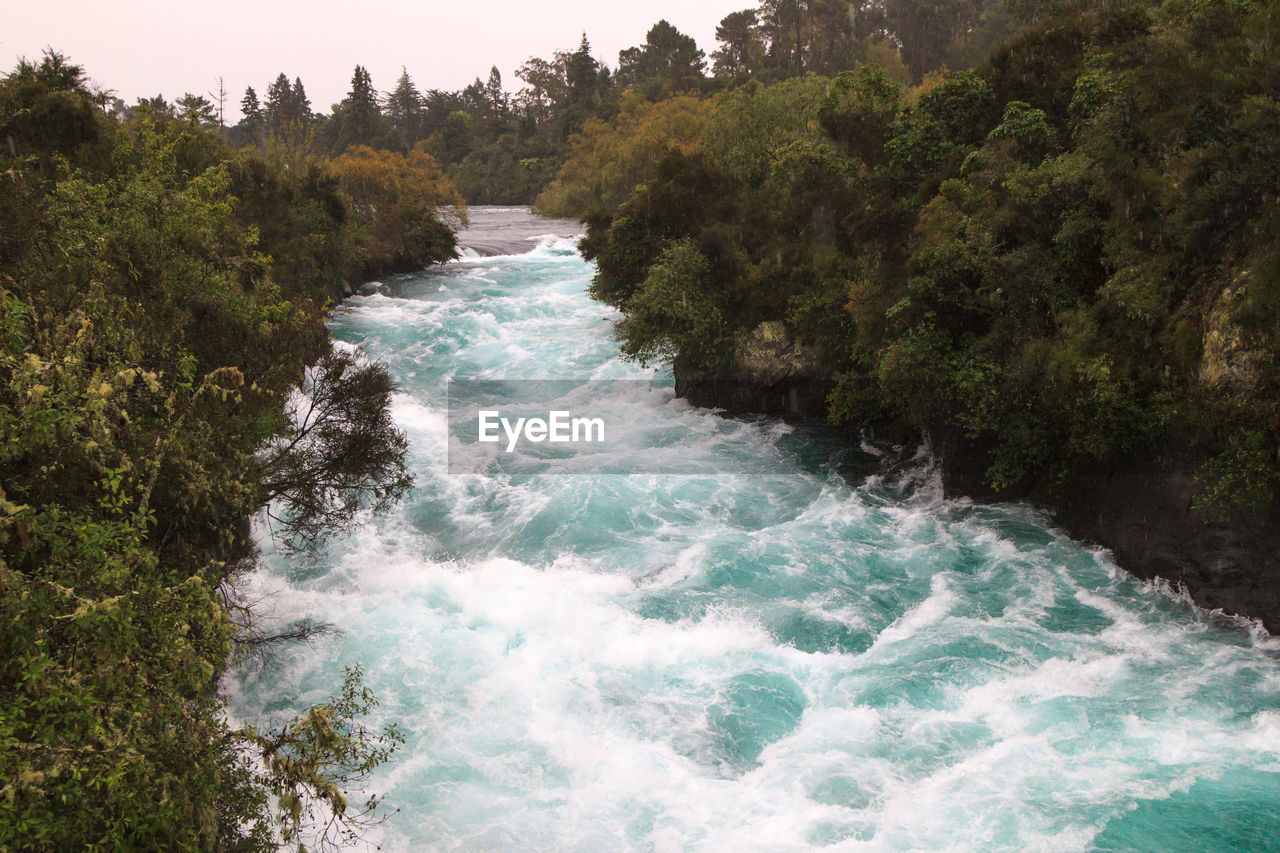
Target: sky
[145,47]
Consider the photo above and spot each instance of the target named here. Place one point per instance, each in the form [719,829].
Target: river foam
[766,654]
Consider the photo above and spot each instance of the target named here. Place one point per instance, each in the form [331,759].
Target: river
[790,649]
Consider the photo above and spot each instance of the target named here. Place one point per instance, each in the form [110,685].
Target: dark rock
[770,375]
[1141,511]
[787,398]
[1144,514]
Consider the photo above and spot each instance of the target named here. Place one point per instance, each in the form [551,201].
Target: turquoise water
[789,649]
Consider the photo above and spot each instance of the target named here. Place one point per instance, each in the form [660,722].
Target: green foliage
[1067,255]
[47,111]
[926,28]
[502,147]
[858,109]
[357,119]
[673,312]
[338,453]
[1028,130]
[148,353]
[742,49]
[751,124]
[608,160]
[935,133]
[403,205]
[315,762]
[668,61]
[1239,480]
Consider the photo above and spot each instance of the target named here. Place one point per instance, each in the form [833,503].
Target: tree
[751,125]
[156,107]
[831,46]
[253,123]
[741,48]
[49,111]
[607,160]
[313,764]
[783,23]
[926,28]
[301,104]
[357,119]
[673,314]
[340,452]
[858,109]
[402,204]
[196,109]
[220,98]
[545,87]
[279,110]
[668,61]
[495,100]
[147,351]
[287,110]
[586,82]
[404,108]
[362,105]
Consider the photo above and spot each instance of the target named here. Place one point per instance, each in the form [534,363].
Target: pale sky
[147,47]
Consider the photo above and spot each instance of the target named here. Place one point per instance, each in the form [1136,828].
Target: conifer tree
[495,99]
[196,108]
[361,104]
[301,105]
[278,112]
[668,61]
[586,81]
[357,119]
[741,46]
[404,108]
[252,123]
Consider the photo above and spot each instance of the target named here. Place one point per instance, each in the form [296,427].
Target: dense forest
[1048,227]
[1067,255]
[504,147]
[162,297]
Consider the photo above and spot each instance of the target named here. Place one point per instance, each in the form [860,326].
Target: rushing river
[788,650]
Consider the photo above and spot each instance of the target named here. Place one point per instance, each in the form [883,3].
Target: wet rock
[771,374]
[1142,511]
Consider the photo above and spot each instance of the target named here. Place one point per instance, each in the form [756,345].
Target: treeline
[504,147]
[1067,257]
[162,298]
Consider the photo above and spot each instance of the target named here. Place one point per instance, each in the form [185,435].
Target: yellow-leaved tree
[405,205]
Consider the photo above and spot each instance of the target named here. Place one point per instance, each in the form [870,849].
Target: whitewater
[791,647]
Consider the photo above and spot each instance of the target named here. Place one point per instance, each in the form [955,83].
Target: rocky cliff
[1142,512]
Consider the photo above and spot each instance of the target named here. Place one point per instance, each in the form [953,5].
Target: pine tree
[668,61]
[301,105]
[495,98]
[251,124]
[357,119]
[361,107]
[250,106]
[196,109]
[586,81]
[404,108]
[278,111]
[156,106]
[741,46]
